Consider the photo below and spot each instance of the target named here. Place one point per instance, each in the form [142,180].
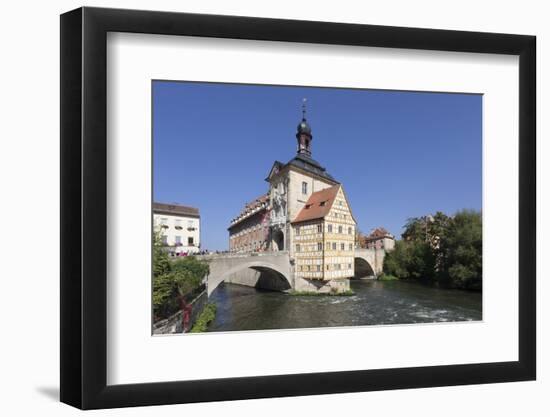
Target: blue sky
[397,154]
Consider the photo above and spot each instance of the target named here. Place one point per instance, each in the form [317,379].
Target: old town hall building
[305,212]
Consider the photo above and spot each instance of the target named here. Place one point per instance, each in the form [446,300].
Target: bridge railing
[241,254]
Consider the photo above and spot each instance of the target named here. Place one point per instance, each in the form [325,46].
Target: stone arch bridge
[274,270]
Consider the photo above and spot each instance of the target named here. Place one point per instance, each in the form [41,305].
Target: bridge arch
[363,269]
[255,273]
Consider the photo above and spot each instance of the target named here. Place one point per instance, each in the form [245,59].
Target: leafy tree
[161,261]
[440,249]
[396,261]
[408,260]
[462,251]
[173,280]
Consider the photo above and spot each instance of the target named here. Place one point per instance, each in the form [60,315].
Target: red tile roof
[318,205]
[250,207]
[378,233]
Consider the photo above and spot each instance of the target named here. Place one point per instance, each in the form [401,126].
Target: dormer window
[322,203]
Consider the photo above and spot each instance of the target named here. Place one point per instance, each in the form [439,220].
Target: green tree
[173,280]
[440,249]
[462,251]
[396,261]
[161,262]
[410,260]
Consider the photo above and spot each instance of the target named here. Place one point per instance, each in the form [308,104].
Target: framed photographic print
[257,208]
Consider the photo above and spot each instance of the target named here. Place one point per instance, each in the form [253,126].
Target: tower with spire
[303,134]
[305,207]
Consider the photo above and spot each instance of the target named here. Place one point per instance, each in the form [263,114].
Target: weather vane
[304,108]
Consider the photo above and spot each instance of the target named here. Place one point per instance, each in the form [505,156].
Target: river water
[374,303]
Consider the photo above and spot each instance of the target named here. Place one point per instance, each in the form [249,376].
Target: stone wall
[322,287]
[174,323]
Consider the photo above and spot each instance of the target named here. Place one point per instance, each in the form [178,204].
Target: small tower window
[304,187]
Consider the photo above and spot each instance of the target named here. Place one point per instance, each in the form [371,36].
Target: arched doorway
[278,240]
[363,270]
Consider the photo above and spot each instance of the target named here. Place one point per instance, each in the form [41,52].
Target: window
[318,268]
[319,246]
[298,231]
[297,247]
[349,230]
[333,245]
[319,228]
[164,239]
[349,266]
[304,187]
[339,202]
[327,267]
[342,246]
[190,241]
[338,266]
[339,229]
[322,203]
[307,268]
[330,228]
[178,240]
[351,246]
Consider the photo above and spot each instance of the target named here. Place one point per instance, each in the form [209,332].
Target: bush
[205,318]
[173,280]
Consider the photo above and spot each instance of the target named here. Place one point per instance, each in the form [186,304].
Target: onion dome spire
[303,134]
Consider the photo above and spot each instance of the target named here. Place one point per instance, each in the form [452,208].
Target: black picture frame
[84,207]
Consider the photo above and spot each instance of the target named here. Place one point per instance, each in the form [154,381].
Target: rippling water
[374,302]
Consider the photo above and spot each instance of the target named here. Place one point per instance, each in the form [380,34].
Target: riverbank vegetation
[174,282]
[205,318]
[440,249]
[387,277]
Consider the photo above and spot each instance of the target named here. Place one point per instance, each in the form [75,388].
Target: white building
[179,227]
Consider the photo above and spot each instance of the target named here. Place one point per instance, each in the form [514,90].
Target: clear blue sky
[397,154]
